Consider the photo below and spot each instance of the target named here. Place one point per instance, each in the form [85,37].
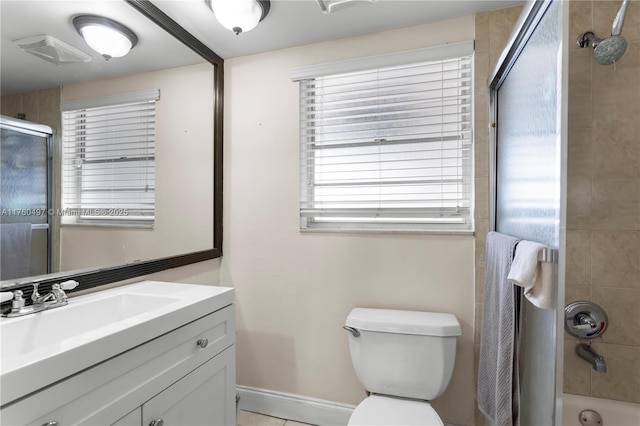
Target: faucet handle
[583,327]
[16,305]
[18,301]
[57,290]
[68,285]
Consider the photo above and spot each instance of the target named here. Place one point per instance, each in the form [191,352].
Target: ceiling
[289,23]
[298,22]
[20,71]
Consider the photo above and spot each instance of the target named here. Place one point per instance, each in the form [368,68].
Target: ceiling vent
[329,6]
[53,50]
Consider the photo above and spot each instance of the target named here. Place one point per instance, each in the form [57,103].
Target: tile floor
[247,418]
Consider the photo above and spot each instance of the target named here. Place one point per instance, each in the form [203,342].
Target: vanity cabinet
[184,377]
[134,418]
[189,402]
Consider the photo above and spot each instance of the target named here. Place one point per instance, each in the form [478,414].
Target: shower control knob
[583,327]
[585,320]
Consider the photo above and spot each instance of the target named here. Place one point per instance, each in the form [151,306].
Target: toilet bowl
[404,359]
[385,410]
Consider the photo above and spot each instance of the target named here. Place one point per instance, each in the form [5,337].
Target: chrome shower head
[609,50]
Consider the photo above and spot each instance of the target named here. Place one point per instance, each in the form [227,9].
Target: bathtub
[614,413]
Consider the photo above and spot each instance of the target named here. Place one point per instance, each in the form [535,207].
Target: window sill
[108,225]
[386,231]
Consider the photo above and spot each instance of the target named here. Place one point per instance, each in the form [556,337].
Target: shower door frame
[531,15]
[48,133]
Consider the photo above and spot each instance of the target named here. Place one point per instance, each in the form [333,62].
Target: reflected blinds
[388,147]
[109,159]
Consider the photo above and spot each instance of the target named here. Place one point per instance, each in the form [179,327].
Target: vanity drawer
[107,391]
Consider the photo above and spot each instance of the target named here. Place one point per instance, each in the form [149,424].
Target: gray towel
[498,370]
[15,250]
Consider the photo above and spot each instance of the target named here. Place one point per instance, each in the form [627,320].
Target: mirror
[187,192]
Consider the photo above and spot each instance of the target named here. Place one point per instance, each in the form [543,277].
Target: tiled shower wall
[39,106]
[603,214]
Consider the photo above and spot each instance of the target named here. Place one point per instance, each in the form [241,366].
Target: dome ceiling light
[106,36]
[239,16]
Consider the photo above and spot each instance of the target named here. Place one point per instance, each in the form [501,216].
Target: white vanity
[150,353]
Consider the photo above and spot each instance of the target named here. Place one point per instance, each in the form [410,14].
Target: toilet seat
[386,410]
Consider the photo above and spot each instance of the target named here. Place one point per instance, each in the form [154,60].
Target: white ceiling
[289,23]
[20,71]
[298,22]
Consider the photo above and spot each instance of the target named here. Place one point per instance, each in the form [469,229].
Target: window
[386,142]
[109,160]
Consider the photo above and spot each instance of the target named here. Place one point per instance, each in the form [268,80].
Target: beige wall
[294,290]
[184,172]
[603,218]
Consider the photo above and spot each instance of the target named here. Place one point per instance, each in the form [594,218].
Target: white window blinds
[388,147]
[109,159]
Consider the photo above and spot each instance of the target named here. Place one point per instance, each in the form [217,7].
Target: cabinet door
[132,419]
[204,397]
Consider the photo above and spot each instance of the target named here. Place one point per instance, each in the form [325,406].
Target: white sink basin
[39,349]
[34,332]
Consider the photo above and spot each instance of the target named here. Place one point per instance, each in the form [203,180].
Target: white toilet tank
[403,353]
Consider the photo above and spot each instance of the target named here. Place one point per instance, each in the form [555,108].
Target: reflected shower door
[528,158]
[25,193]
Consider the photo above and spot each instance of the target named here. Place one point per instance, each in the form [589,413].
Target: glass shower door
[527,104]
[25,193]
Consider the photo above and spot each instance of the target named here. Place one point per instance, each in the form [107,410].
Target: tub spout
[588,354]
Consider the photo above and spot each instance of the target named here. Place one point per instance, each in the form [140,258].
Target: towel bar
[39,226]
[548,255]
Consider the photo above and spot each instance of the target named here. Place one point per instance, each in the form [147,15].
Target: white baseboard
[293,407]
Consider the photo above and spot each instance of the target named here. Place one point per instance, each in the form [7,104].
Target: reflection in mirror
[25,178]
[33,90]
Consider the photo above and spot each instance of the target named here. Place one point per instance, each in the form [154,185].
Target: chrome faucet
[585,352]
[54,299]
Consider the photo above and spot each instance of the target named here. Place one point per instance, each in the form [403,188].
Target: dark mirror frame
[102,276]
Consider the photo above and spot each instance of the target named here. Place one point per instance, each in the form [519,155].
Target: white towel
[15,250]
[535,277]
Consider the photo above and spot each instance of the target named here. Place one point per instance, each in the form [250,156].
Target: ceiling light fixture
[109,38]
[239,16]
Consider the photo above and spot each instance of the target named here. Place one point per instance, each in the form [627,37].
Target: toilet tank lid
[404,322]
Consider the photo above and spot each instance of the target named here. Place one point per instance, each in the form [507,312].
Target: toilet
[404,359]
